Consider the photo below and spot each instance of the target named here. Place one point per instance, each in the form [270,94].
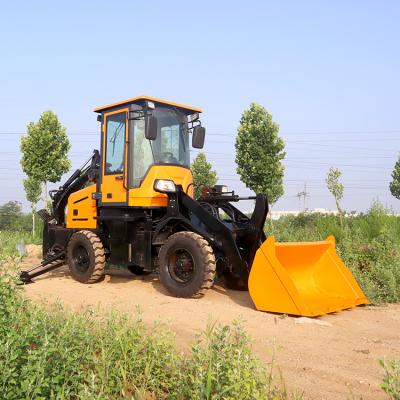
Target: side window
[170,143]
[115,143]
[142,152]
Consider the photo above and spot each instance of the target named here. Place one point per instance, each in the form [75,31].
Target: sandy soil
[327,358]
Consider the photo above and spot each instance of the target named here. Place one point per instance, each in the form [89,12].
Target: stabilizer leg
[48,264]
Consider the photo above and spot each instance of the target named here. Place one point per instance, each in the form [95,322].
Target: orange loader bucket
[303,278]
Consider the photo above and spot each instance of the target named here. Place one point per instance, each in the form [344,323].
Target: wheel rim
[81,258]
[181,266]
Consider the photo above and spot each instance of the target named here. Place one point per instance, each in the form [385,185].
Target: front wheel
[186,264]
[85,256]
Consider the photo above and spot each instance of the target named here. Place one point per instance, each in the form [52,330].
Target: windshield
[170,147]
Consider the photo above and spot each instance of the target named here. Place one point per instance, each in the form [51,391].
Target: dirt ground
[331,357]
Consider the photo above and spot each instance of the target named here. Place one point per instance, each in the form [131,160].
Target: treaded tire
[85,257]
[202,262]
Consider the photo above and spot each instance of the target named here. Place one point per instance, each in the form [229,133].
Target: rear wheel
[85,255]
[187,264]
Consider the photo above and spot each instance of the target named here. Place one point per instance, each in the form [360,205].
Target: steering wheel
[168,157]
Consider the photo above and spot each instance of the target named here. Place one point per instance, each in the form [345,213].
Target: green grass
[391,380]
[53,353]
[369,245]
[10,239]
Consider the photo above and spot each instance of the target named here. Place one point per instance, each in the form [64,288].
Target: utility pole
[304,194]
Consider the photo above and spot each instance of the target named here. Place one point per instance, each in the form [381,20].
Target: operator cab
[139,134]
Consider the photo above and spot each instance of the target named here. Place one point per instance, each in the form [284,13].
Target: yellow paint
[302,279]
[146,196]
[114,184]
[133,99]
[83,202]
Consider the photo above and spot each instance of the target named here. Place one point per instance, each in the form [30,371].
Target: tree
[10,213]
[259,153]
[395,184]
[203,175]
[44,150]
[335,187]
[33,191]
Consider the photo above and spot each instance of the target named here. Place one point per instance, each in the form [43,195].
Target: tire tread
[99,255]
[208,259]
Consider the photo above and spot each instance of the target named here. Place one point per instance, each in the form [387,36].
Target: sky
[329,72]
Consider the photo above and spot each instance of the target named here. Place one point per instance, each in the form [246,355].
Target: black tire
[85,257]
[186,264]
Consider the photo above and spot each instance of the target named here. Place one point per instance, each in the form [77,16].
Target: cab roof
[140,99]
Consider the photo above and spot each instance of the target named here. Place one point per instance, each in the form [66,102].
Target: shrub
[10,239]
[222,365]
[368,244]
[391,380]
[52,353]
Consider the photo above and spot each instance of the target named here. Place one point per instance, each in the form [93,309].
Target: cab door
[114,164]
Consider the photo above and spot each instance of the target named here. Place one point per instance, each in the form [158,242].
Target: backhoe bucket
[306,279]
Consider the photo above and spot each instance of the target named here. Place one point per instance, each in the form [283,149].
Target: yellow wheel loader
[132,204]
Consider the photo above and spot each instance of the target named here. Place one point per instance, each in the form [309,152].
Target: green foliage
[52,353]
[334,186]
[33,190]
[13,220]
[9,240]
[259,153]
[391,380]
[10,214]
[222,365]
[45,148]
[368,245]
[44,155]
[395,184]
[203,175]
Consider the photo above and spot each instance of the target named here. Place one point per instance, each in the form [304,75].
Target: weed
[391,380]
[53,353]
[222,365]
[10,239]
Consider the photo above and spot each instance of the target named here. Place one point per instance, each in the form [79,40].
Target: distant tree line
[13,219]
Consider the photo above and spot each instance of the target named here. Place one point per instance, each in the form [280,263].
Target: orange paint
[84,207]
[146,196]
[304,278]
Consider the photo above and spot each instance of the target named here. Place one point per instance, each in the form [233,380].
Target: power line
[319,132]
[305,195]
[309,144]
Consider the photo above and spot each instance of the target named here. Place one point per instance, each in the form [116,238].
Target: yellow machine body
[302,278]
[146,196]
[82,209]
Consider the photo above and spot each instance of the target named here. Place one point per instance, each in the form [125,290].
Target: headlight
[164,186]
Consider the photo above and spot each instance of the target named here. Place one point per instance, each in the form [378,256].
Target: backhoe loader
[132,204]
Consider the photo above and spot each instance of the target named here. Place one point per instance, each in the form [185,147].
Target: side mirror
[199,133]
[151,127]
